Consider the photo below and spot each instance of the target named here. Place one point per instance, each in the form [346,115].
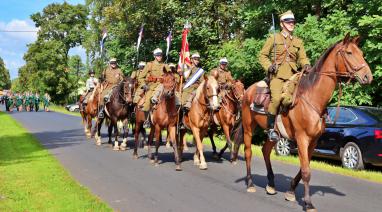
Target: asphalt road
[137,186]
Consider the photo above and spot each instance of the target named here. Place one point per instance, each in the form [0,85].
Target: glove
[145,87]
[272,69]
[307,68]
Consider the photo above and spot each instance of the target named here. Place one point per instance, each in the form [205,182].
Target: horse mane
[200,89]
[311,78]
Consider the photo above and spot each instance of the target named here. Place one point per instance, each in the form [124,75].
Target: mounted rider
[91,83]
[223,76]
[188,93]
[150,74]
[135,74]
[290,56]
[110,78]
[140,78]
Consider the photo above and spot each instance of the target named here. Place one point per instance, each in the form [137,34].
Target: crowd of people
[27,101]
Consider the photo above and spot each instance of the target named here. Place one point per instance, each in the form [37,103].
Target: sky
[15,16]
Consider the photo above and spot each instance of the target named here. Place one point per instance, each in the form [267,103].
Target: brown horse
[226,116]
[118,109]
[304,122]
[90,110]
[164,115]
[199,118]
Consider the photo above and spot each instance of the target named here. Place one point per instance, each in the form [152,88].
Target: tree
[5,81]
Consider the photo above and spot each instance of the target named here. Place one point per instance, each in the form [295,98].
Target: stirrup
[273,135]
[101,115]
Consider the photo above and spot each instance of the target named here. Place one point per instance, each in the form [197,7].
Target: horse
[226,116]
[165,115]
[199,118]
[90,111]
[117,109]
[304,121]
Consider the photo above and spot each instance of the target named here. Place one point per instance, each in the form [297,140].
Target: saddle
[262,97]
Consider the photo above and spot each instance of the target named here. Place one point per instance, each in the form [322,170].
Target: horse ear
[356,40]
[346,39]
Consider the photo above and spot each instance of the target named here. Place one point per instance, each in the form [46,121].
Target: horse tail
[238,135]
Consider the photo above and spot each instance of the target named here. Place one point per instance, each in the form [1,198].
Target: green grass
[33,180]
[374,176]
[61,109]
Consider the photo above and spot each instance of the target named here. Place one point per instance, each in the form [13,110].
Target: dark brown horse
[199,118]
[226,116]
[118,109]
[90,111]
[164,116]
[305,122]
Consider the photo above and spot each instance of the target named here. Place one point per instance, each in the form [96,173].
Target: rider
[159,88]
[111,76]
[91,83]
[189,93]
[290,54]
[135,74]
[223,76]
[140,78]
[152,71]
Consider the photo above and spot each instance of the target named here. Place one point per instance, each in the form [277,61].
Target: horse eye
[348,52]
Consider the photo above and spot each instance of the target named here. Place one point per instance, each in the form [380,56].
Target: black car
[355,138]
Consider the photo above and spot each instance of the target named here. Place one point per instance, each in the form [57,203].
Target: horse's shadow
[283,184]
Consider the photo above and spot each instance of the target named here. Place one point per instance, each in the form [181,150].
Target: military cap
[113,60]
[288,16]
[157,52]
[142,64]
[91,71]
[223,60]
[171,65]
[195,55]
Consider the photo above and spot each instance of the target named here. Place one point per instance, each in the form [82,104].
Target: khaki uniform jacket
[112,76]
[225,76]
[290,55]
[154,69]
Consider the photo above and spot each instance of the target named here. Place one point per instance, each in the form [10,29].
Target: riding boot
[272,134]
[101,114]
[147,124]
[181,115]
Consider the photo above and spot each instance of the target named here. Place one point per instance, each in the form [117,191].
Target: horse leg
[248,157]
[199,135]
[116,134]
[184,141]
[267,149]
[109,131]
[125,134]
[150,140]
[168,140]
[158,140]
[98,133]
[172,136]
[197,154]
[228,142]
[136,140]
[211,136]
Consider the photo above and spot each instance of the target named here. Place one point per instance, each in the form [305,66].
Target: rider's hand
[145,87]
[307,68]
[272,69]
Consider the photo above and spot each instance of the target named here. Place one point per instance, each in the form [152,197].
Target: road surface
[135,185]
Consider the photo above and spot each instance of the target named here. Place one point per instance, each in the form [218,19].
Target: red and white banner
[184,57]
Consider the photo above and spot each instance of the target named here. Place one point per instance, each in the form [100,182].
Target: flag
[140,35]
[104,35]
[168,40]
[193,78]
[184,57]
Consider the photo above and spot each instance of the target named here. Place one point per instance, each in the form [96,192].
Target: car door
[331,140]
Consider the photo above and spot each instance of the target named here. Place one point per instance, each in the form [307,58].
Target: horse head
[211,91]
[351,63]
[128,89]
[169,84]
[238,91]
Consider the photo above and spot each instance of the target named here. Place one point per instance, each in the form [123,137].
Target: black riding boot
[147,124]
[181,115]
[272,134]
[101,114]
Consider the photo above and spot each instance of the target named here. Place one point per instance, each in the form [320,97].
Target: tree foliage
[5,82]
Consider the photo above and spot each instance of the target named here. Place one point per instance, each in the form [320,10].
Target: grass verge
[374,176]
[61,109]
[33,180]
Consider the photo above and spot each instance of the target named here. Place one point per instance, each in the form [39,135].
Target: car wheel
[76,110]
[282,147]
[352,157]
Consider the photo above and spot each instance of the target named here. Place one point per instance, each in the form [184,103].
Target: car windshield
[374,112]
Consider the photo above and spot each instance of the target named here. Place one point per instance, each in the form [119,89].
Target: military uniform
[189,92]
[111,78]
[140,79]
[37,102]
[290,56]
[152,69]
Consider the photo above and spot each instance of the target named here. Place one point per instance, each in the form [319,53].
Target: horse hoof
[311,210]
[123,148]
[289,196]
[116,148]
[270,190]
[203,166]
[98,143]
[251,189]
[135,157]
[196,162]
[178,168]
[234,163]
